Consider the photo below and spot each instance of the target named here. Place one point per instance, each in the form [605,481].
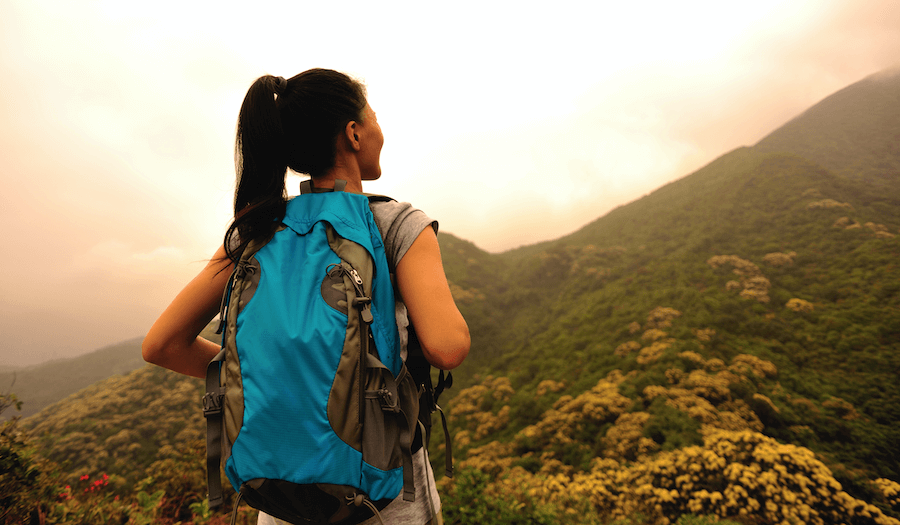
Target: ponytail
[285,123]
[260,166]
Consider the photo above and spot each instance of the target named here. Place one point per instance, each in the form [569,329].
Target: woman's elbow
[449,352]
[152,350]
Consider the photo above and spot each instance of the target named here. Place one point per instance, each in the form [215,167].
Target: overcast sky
[509,122]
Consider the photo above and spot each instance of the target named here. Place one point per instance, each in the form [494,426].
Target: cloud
[512,127]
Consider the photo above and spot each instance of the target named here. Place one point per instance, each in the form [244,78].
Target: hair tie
[280,85]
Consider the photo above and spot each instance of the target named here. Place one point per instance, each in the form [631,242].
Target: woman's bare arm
[441,329]
[173,341]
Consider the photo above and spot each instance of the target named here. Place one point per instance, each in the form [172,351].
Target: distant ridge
[855,132]
[850,136]
[41,385]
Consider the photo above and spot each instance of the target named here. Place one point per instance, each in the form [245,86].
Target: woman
[318,123]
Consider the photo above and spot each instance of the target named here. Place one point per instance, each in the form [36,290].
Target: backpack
[309,403]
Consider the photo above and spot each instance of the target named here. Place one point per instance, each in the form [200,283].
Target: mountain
[854,133]
[41,385]
[785,253]
[728,345]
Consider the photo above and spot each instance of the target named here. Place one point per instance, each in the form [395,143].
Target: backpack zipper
[241,269]
[361,302]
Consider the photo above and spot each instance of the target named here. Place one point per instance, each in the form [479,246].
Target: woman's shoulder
[393,216]
[399,223]
[388,208]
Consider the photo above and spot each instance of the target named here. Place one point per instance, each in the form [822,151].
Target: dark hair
[285,124]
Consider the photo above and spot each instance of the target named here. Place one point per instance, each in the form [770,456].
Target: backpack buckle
[388,402]
[212,404]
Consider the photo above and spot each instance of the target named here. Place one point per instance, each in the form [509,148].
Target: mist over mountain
[854,133]
[728,345]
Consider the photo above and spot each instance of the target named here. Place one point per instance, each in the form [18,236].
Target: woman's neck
[354,183]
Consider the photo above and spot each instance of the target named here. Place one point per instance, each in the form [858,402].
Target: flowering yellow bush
[493,458]
[778,259]
[626,348]
[744,363]
[799,305]
[828,204]
[843,409]
[846,223]
[880,230]
[472,399]
[653,334]
[741,473]
[661,317]
[488,422]
[704,394]
[691,356]
[569,416]
[890,490]
[734,474]
[549,385]
[754,284]
[756,288]
[625,439]
[767,402]
[704,334]
[674,375]
[653,352]
[713,387]
[733,286]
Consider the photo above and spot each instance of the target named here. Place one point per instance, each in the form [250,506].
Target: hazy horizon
[512,127]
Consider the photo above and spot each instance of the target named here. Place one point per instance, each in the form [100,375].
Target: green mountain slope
[854,132]
[122,425]
[785,252]
[41,385]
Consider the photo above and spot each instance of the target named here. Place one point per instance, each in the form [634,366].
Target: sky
[510,123]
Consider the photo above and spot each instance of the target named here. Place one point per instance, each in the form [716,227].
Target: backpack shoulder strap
[212,411]
[374,197]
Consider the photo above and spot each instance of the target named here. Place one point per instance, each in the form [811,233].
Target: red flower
[85,477]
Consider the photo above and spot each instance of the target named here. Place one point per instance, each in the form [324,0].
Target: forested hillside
[41,385]
[727,347]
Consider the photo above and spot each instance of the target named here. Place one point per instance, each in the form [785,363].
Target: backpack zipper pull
[361,298]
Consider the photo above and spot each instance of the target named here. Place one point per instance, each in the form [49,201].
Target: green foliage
[469,500]
[123,425]
[671,428]
[24,493]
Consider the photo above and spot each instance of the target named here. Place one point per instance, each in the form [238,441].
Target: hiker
[319,123]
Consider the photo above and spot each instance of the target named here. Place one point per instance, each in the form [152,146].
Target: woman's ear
[352,136]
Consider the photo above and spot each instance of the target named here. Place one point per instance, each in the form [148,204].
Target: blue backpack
[309,403]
